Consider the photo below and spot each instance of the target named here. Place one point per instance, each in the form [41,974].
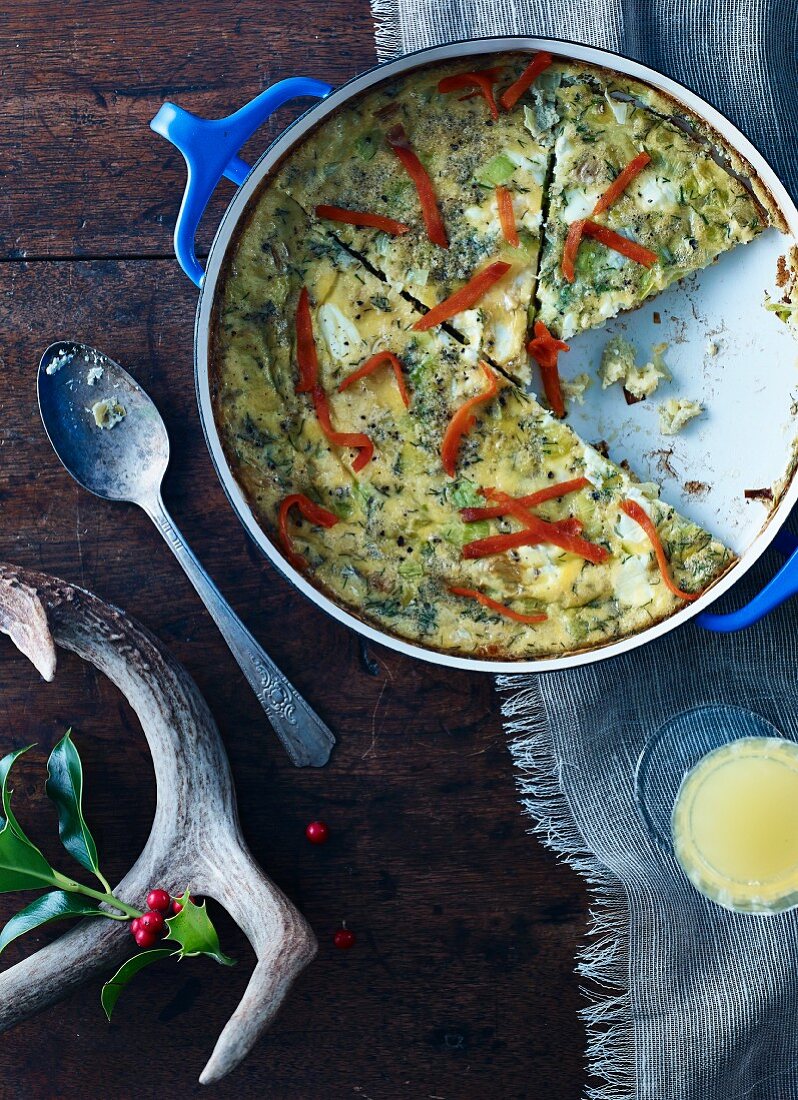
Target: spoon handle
[304,736]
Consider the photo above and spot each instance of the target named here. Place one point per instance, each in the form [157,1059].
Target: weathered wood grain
[82,174]
[461,985]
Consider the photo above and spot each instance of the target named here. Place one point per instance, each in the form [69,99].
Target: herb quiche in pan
[395,287]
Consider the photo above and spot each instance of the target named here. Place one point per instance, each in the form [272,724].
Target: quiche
[683,206]
[469,158]
[370,382]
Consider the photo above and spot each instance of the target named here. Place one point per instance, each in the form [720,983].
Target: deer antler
[195,836]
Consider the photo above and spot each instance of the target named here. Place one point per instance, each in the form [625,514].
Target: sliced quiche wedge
[621,88]
[272,434]
[517,447]
[684,208]
[393,544]
[474,163]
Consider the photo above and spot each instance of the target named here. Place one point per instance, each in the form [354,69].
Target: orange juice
[735,825]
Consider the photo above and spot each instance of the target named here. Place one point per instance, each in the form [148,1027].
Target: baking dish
[727,305]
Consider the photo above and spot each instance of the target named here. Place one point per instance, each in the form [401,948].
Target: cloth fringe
[603,960]
[387,28]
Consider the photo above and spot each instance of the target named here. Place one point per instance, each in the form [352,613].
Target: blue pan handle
[783,585]
[210,150]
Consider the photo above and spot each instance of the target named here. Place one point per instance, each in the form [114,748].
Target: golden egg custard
[392,289]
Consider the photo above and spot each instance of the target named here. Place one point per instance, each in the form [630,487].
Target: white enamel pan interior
[723,349]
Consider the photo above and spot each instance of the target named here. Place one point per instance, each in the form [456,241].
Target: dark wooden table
[461,985]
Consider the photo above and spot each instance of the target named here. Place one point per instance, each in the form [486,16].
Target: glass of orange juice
[719,787]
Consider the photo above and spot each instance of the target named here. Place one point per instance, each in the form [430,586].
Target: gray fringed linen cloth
[687,1001]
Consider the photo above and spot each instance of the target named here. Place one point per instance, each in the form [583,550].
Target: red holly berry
[177,906]
[158,900]
[135,924]
[145,938]
[317,832]
[344,938]
[152,922]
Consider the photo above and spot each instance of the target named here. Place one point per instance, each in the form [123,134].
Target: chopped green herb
[366,145]
[496,171]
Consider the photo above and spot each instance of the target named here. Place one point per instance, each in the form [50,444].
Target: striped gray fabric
[687,1001]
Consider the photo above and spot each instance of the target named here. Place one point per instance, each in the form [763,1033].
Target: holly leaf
[22,865]
[57,905]
[64,787]
[112,990]
[5,768]
[193,930]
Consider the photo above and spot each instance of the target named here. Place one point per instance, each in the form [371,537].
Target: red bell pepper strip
[571,526]
[482,79]
[621,182]
[571,248]
[545,350]
[583,227]
[521,512]
[464,298]
[309,383]
[619,243]
[373,364]
[504,201]
[636,512]
[536,531]
[358,440]
[494,605]
[565,529]
[536,66]
[398,141]
[305,345]
[362,217]
[531,500]
[313,513]
[551,492]
[463,420]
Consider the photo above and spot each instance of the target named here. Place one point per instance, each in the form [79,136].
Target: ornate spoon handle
[304,736]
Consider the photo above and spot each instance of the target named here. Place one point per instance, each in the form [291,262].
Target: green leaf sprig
[191,928]
[64,787]
[24,867]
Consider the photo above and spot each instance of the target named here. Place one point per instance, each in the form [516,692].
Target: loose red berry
[317,832]
[135,924]
[344,938]
[177,906]
[152,922]
[144,938]
[158,900]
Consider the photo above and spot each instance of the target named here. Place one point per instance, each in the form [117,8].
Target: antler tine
[89,950]
[270,923]
[195,837]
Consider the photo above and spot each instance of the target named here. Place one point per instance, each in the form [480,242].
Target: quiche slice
[682,208]
[477,166]
[271,433]
[397,540]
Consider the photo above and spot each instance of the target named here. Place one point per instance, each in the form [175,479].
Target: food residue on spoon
[94,375]
[107,413]
[58,361]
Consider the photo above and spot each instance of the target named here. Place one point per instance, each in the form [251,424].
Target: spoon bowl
[125,462]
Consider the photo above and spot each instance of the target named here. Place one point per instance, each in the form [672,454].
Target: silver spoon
[127,461]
